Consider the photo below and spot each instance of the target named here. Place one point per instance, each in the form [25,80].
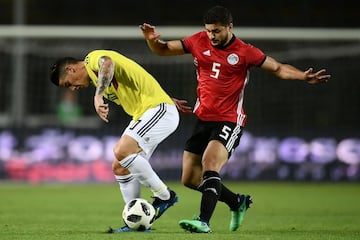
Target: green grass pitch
[323,211]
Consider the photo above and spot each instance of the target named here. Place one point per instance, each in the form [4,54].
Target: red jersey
[222,74]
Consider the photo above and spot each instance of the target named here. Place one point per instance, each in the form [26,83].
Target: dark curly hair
[218,15]
[57,70]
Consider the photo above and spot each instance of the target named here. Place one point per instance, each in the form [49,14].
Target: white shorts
[153,127]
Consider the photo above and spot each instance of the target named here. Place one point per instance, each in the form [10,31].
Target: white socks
[129,187]
[142,171]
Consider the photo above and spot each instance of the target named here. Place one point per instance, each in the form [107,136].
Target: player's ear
[231,26]
[69,69]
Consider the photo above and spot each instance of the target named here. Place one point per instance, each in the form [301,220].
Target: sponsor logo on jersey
[112,97]
[207,53]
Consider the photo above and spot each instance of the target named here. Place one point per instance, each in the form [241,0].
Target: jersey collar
[224,46]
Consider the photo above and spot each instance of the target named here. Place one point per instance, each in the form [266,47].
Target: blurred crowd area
[70,155]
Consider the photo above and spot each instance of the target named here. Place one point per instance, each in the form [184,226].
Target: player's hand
[149,32]
[181,106]
[101,108]
[318,77]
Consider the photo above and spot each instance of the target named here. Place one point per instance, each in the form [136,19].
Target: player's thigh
[153,127]
[215,156]
[191,170]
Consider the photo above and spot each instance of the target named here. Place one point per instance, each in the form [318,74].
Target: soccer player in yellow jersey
[154,117]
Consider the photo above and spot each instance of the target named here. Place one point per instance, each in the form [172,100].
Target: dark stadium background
[277,110]
[304,13]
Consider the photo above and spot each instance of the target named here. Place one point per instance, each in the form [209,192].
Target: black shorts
[227,133]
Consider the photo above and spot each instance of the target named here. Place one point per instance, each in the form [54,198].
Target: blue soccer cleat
[125,229]
[162,205]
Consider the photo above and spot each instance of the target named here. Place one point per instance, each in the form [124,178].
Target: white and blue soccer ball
[138,214]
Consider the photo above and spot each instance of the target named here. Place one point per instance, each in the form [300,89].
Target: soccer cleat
[162,205]
[125,229]
[195,225]
[237,216]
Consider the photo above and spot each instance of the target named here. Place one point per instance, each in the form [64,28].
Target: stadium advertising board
[53,155]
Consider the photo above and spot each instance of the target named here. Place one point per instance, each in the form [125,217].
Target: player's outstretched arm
[160,47]
[289,72]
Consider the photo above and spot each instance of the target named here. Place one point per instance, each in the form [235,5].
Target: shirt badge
[233,59]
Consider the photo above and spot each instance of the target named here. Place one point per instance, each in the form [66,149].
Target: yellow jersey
[132,87]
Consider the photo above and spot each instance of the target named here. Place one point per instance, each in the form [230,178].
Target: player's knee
[119,153]
[125,147]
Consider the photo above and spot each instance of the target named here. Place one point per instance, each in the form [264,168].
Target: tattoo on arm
[105,75]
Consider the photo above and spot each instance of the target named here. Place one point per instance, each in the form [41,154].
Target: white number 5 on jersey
[216,70]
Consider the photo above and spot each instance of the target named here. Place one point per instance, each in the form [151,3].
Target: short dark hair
[218,15]
[57,70]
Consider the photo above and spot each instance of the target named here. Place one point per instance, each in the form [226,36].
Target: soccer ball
[138,214]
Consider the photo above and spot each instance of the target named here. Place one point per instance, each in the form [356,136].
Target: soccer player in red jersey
[222,62]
